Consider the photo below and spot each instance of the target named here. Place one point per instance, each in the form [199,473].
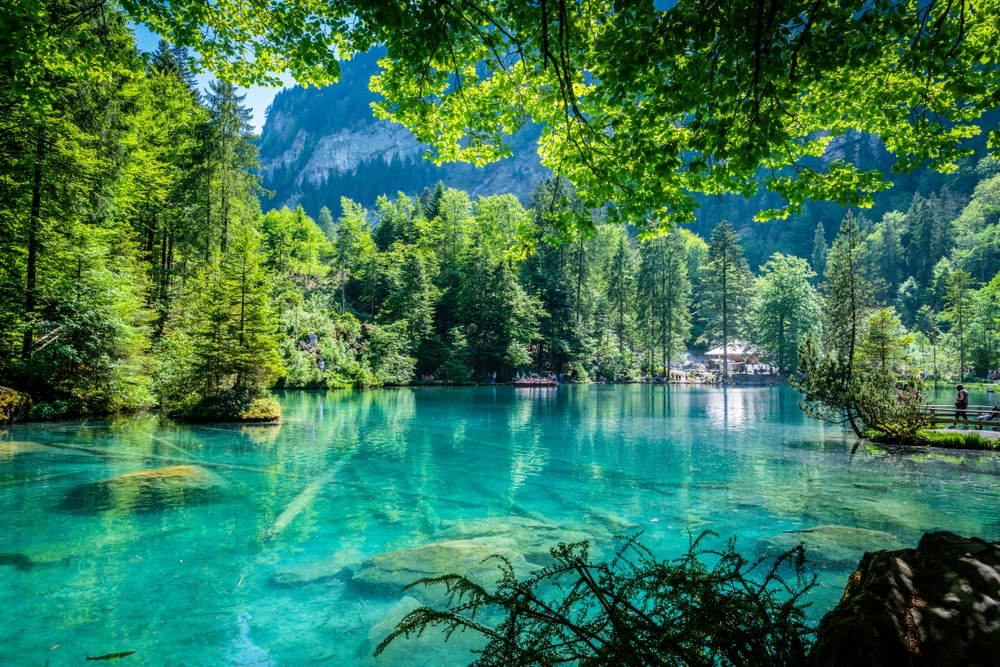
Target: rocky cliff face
[321,144]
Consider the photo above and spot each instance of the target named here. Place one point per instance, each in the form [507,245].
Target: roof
[735,350]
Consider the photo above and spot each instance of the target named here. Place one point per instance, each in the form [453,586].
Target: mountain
[321,144]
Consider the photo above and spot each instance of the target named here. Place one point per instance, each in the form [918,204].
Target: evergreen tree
[620,278]
[220,354]
[353,246]
[887,251]
[828,378]
[664,297]
[326,223]
[927,324]
[726,290]
[411,297]
[232,158]
[496,316]
[820,250]
[849,292]
[957,311]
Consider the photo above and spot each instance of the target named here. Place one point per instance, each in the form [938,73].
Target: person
[312,340]
[992,416]
[321,365]
[961,403]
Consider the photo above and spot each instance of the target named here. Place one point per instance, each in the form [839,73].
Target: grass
[943,439]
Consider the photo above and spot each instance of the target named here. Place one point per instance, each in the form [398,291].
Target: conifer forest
[139,270]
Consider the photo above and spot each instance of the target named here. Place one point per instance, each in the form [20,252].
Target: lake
[248,559]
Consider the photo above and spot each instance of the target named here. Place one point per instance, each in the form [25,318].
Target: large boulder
[14,405]
[938,604]
[146,490]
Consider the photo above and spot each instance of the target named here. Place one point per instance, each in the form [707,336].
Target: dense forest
[138,269]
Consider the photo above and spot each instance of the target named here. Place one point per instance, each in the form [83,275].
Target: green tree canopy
[786,308]
[641,106]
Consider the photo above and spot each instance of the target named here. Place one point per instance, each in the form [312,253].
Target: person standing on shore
[961,404]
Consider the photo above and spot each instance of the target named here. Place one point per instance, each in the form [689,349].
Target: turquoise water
[253,565]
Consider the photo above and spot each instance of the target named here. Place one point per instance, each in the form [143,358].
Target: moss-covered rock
[14,405]
[938,604]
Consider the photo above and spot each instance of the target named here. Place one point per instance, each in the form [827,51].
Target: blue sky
[258,97]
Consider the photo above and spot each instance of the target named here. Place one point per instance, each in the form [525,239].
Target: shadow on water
[17,561]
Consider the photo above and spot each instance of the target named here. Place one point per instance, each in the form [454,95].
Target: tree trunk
[725,314]
[33,225]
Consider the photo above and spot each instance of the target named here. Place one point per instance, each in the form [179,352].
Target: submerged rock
[938,604]
[834,543]
[146,490]
[337,565]
[533,538]
[392,571]
[14,405]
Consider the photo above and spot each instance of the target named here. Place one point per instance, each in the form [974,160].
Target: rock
[146,490]
[14,405]
[533,538]
[428,650]
[938,604]
[339,564]
[834,543]
[391,572]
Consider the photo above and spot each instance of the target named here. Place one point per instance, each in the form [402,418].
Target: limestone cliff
[319,145]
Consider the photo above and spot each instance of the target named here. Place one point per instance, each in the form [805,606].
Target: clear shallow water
[202,577]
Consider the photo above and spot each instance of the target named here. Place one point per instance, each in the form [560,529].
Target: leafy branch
[705,608]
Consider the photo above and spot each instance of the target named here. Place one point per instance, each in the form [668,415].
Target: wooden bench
[945,414]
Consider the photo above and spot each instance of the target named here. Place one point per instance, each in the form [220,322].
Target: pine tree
[326,223]
[727,286]
[232,155]
[412,297]
[221,351]
[833,391]
[849,292]
[664,292]
[820,250]
[353,245]
[957,310]
[620,279]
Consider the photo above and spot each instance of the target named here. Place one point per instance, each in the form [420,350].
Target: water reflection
[98,554]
